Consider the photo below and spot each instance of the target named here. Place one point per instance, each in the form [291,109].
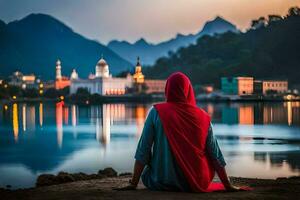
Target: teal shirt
[161,170]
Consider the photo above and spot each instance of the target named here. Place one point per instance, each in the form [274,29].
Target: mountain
[34,43]
[150,52]
[271,51]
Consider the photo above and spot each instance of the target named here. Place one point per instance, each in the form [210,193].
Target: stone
[109,172]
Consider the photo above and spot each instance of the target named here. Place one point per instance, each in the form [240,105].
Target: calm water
[258,140]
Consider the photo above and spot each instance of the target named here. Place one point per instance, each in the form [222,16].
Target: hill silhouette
[34,43]
[150,52]
[270,49]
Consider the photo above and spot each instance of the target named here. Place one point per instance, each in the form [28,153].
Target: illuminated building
[102,82]
[151,85]
[24,81]
[155,86]
[270,86]
[237,85]
[138,76]
[60,81]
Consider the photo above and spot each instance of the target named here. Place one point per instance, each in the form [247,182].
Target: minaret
[58,70]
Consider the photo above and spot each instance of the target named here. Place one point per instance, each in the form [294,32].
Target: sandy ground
[102,189]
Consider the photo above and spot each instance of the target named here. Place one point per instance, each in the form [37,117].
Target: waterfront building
[24,81]
[102,82]
[270,86]
[237,85]
[138,76]
[60,81]
[155,86]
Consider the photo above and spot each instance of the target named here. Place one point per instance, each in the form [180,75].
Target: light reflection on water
[48,138]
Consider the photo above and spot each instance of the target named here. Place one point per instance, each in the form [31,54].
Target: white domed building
[102,69]
[102,82]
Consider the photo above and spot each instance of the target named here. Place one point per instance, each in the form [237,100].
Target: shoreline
[142,99]
[101,185]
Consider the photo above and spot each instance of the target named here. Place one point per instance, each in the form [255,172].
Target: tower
[58,70]
[138,75]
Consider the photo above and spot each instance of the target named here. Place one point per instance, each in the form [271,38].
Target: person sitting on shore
[177,150]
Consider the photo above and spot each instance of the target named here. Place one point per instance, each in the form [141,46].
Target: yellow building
[138,76]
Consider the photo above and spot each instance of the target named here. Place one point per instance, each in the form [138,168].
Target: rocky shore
[100,186]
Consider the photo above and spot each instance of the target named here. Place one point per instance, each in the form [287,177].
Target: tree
[294,11]
[274,18]
[258,23]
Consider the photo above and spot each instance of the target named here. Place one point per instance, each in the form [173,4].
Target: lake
[257,139]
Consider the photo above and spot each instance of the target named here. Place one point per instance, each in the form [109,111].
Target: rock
[46,179]
[64,177]
[126,174]
[80,176]
[109,172]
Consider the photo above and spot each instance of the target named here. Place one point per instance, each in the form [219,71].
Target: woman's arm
[137,171]
[143,151]
[217,159]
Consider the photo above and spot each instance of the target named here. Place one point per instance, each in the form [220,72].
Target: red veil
[186,127]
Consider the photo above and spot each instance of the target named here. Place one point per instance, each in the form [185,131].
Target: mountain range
[268,52]
[34,43]
[151,52]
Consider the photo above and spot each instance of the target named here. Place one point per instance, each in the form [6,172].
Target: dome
[101,62]
[102,68]
[58,62]
[74,75]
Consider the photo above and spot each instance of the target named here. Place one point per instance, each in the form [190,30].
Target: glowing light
[15,122]
[61,98]
[289,112]
[5,86]
[41,114]
[74,117]
[41,91]
[41,85]
[289,97]
[24,116]
[5,107]
[59,123]
[14,97]
[87,102]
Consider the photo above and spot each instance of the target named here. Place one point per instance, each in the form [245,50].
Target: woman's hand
[130,186]
[232,188]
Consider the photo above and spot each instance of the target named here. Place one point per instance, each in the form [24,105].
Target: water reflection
[15,122]
[255,113]
[47,138]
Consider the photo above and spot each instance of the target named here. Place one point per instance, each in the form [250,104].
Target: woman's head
[179,89]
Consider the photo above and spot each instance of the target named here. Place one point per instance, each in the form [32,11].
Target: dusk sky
[154,20]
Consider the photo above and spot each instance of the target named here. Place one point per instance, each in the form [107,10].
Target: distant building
[24,81]
[102,82]
[60,81]
[155,86]
[151,85]
[270,86]
[237,85]
[206,89]
[138,76]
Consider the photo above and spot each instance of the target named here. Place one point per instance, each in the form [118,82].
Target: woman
[177,150]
